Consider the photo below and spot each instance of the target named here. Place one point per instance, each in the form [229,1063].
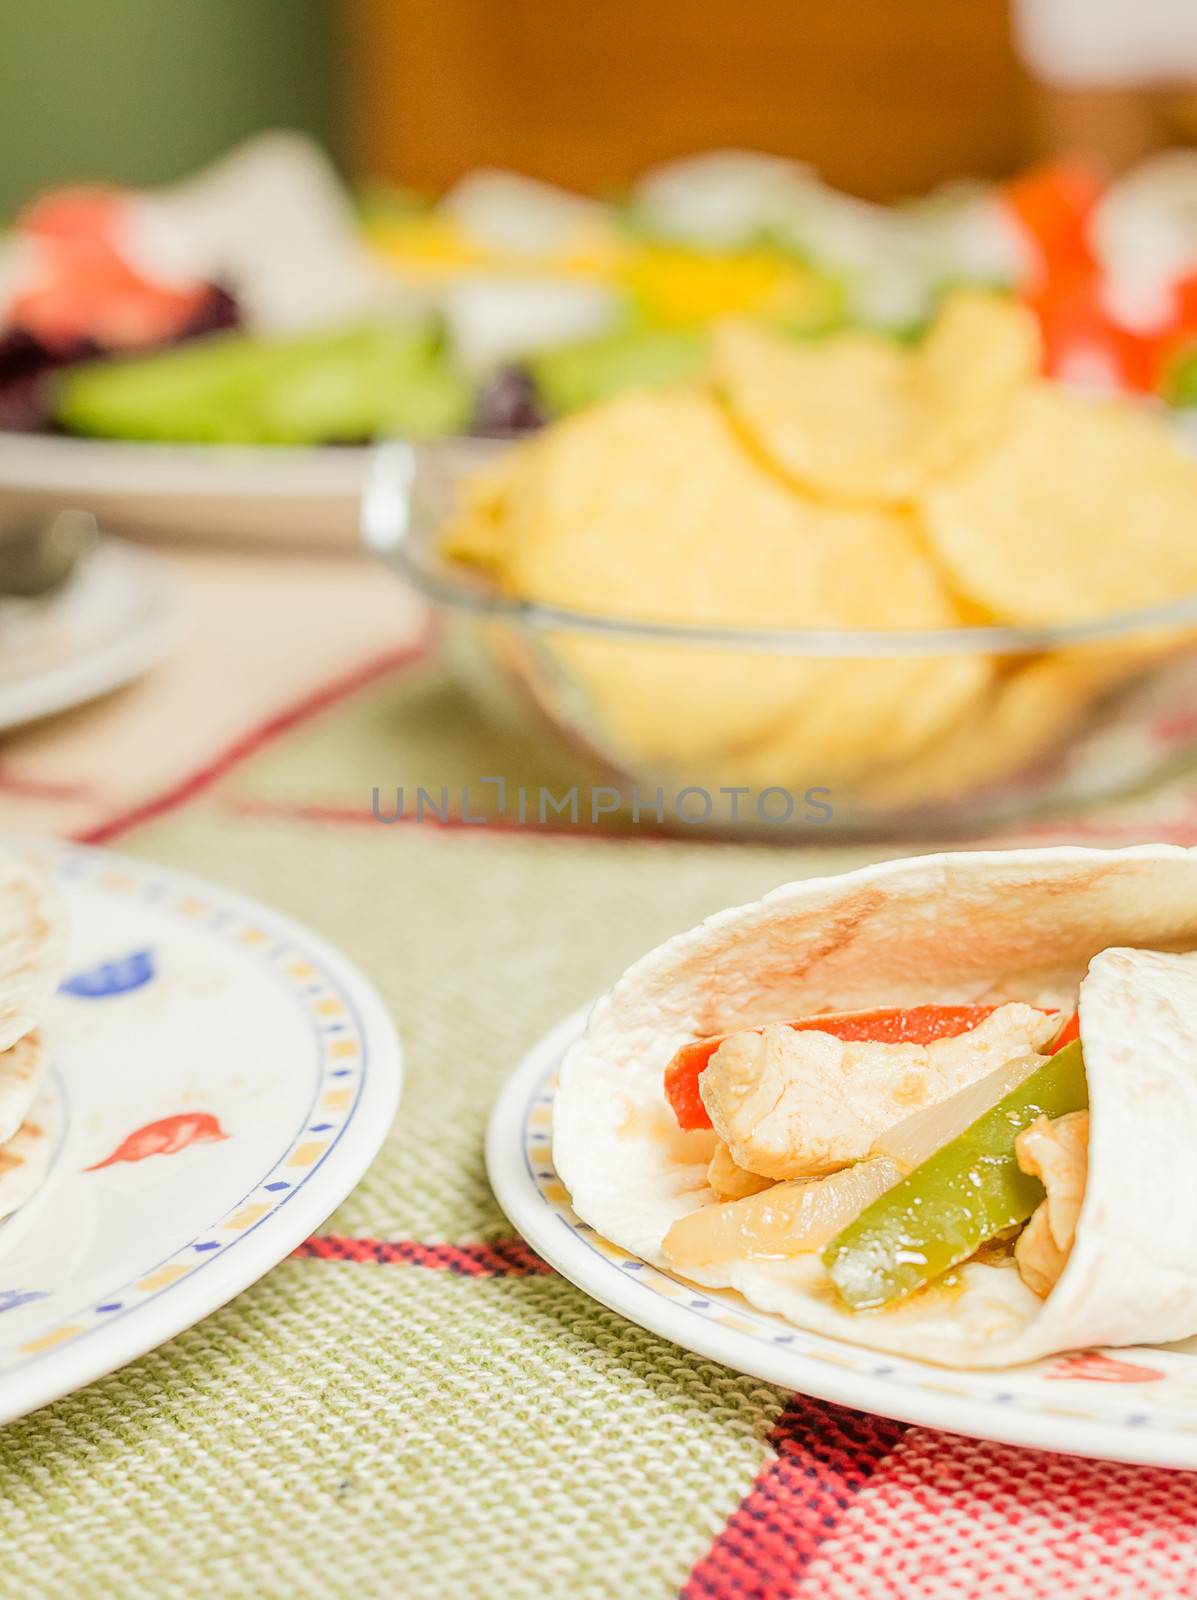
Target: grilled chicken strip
[792,1104]
[1057,1153]
[731,1182]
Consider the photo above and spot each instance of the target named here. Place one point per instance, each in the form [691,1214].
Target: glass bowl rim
[387,527]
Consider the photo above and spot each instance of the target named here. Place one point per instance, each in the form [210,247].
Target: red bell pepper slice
[1070,1031]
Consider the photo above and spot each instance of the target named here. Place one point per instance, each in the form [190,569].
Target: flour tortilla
[21,1070]
[25,1158]
[32,947]
[1015,925]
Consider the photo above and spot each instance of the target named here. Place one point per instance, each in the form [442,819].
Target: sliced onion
[913,1141]
[785,1220]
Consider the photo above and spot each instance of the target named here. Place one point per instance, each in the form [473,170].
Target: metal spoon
[37,557]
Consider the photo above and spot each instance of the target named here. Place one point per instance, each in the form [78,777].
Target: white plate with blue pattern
[223,1079]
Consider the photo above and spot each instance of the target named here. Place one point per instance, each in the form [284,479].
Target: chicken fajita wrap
[945,1107]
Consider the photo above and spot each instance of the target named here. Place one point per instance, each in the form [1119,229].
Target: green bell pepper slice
[967,1192]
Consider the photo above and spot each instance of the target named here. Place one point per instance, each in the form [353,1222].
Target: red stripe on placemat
[253,741]
[1095,831]
[1176,823]
[504,1258]
[39,789]
[824,1457]
[358,816]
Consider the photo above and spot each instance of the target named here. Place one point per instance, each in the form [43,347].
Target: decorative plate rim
[720,1325]
[361,1051]
[144,469]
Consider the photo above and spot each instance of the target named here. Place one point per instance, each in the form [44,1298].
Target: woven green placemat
[357,1428]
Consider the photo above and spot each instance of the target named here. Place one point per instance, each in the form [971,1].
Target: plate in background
[276,493]
[117,616]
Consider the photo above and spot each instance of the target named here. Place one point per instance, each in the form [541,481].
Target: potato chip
[857,715]
[861,419]
[706,716]
[478,534]
[1085,509]
[1024,720]
[649,507]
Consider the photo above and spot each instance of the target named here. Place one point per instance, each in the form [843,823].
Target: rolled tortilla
[32,947]
[25,1159]
[21,1070]
[1034,926]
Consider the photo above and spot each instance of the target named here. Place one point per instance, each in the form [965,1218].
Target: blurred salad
[342,387]
[255,303]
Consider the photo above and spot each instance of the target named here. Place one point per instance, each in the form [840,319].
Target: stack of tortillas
[32,943]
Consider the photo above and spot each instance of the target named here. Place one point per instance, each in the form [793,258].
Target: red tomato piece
[83,288]
[1053,205]
[88,211]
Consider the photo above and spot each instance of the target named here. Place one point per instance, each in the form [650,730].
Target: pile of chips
[849,483]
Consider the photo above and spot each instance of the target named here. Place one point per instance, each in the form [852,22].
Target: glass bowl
[769,732]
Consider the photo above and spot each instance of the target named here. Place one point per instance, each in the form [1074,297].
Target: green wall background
[143,91]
